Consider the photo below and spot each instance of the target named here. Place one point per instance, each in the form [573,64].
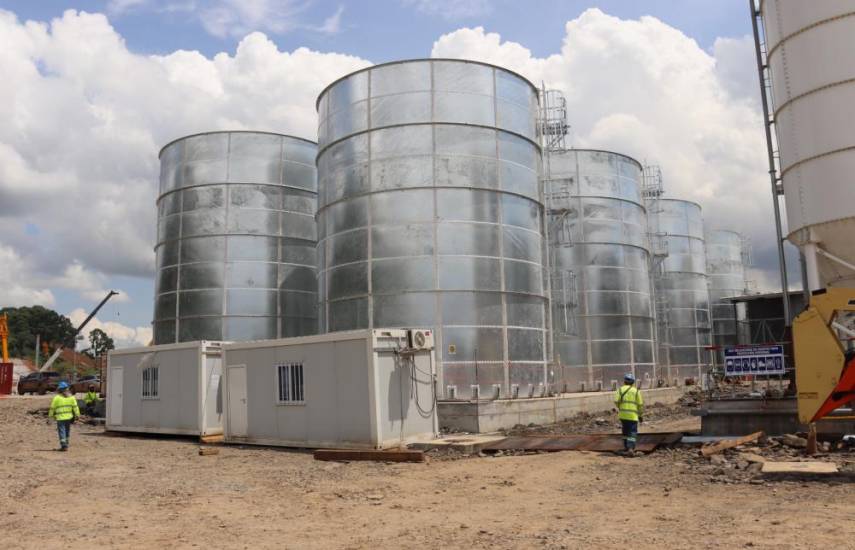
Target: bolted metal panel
[680,280]
[602,313]
[812,91]
[430,214]
[726,270]
[236,242]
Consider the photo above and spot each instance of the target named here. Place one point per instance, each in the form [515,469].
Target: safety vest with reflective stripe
[64,408]
[629,403]
[90,397]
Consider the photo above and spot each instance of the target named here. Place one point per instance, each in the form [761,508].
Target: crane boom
[53,357]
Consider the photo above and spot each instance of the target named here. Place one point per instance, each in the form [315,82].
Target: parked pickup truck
[39,382]
[82,385]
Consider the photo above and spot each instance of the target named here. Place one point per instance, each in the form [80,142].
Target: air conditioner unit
[420,339]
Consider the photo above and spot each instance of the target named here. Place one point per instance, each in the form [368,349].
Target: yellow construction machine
[825,371]
[4,338]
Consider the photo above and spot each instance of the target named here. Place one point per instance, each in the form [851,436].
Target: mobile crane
[77,331]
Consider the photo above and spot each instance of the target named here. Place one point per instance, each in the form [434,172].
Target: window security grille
[149,383]
[290,383]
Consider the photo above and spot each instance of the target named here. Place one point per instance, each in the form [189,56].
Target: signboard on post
[753,360]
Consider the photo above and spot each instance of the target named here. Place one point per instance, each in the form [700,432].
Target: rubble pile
[743,464]
[606,421]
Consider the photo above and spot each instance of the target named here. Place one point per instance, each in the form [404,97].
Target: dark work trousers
[63,428]
[629,429]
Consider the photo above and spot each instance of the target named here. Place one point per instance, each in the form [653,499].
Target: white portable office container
[167,389]
[357,389]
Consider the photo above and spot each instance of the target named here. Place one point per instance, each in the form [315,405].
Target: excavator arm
[825,376]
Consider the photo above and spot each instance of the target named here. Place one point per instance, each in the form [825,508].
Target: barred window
[149,383]
[290,383]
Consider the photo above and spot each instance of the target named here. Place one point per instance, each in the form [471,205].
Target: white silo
[808,49]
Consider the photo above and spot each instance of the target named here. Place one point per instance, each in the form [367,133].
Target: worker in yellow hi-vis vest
[630,406]
[65,411]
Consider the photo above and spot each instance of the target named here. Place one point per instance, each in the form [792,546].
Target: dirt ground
[127,492]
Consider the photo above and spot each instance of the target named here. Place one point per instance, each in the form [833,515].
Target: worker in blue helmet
[630,406]
[65,411]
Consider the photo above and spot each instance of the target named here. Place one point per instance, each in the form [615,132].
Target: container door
[114,399]
[237,401]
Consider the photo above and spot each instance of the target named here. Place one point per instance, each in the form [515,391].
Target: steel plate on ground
[582,442]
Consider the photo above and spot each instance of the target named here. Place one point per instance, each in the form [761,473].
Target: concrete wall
[491,416]
[771,416]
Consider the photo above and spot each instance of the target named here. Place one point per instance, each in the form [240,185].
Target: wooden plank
[211,438]
[799,468]
[716,448]
[397,455]
[207,451]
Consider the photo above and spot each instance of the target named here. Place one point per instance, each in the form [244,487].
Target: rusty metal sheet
[582,442]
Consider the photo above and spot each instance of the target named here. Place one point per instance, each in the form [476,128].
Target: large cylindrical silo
[430,214]
[726,264]
[236,238]
[602,313]
[680,281]
[809,47]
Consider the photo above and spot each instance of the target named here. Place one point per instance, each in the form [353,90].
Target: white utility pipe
[810,251]
[834,258]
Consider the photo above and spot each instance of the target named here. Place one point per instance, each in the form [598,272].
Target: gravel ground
[128,492]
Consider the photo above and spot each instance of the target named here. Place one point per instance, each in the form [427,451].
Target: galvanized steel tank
[810,47]
[602,313]
[430,214]
[726,265]
[236,238]
[680,280]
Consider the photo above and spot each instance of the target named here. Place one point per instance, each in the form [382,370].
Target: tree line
[53,329]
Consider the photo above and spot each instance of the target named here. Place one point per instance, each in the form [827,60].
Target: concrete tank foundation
[772,416]
[497,414]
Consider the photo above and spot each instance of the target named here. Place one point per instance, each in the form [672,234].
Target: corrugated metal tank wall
[680,280]
[726,274]
[602,313]
[430,215]
[236,238]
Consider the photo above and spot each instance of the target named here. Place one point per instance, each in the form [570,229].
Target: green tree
[26,322]
[99,342]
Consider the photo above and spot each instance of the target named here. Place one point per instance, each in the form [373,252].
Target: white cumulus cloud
[123,336]
[451,9]
[16,285]
[643,88]
[83,122]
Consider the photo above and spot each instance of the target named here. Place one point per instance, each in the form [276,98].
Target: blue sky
[376,31]
[385,30]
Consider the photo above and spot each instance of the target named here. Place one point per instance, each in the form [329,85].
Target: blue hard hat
[629,377]
[62,386]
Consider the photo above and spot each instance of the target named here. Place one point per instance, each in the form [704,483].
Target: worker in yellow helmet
[89,400]
[65,411]
[630,406]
